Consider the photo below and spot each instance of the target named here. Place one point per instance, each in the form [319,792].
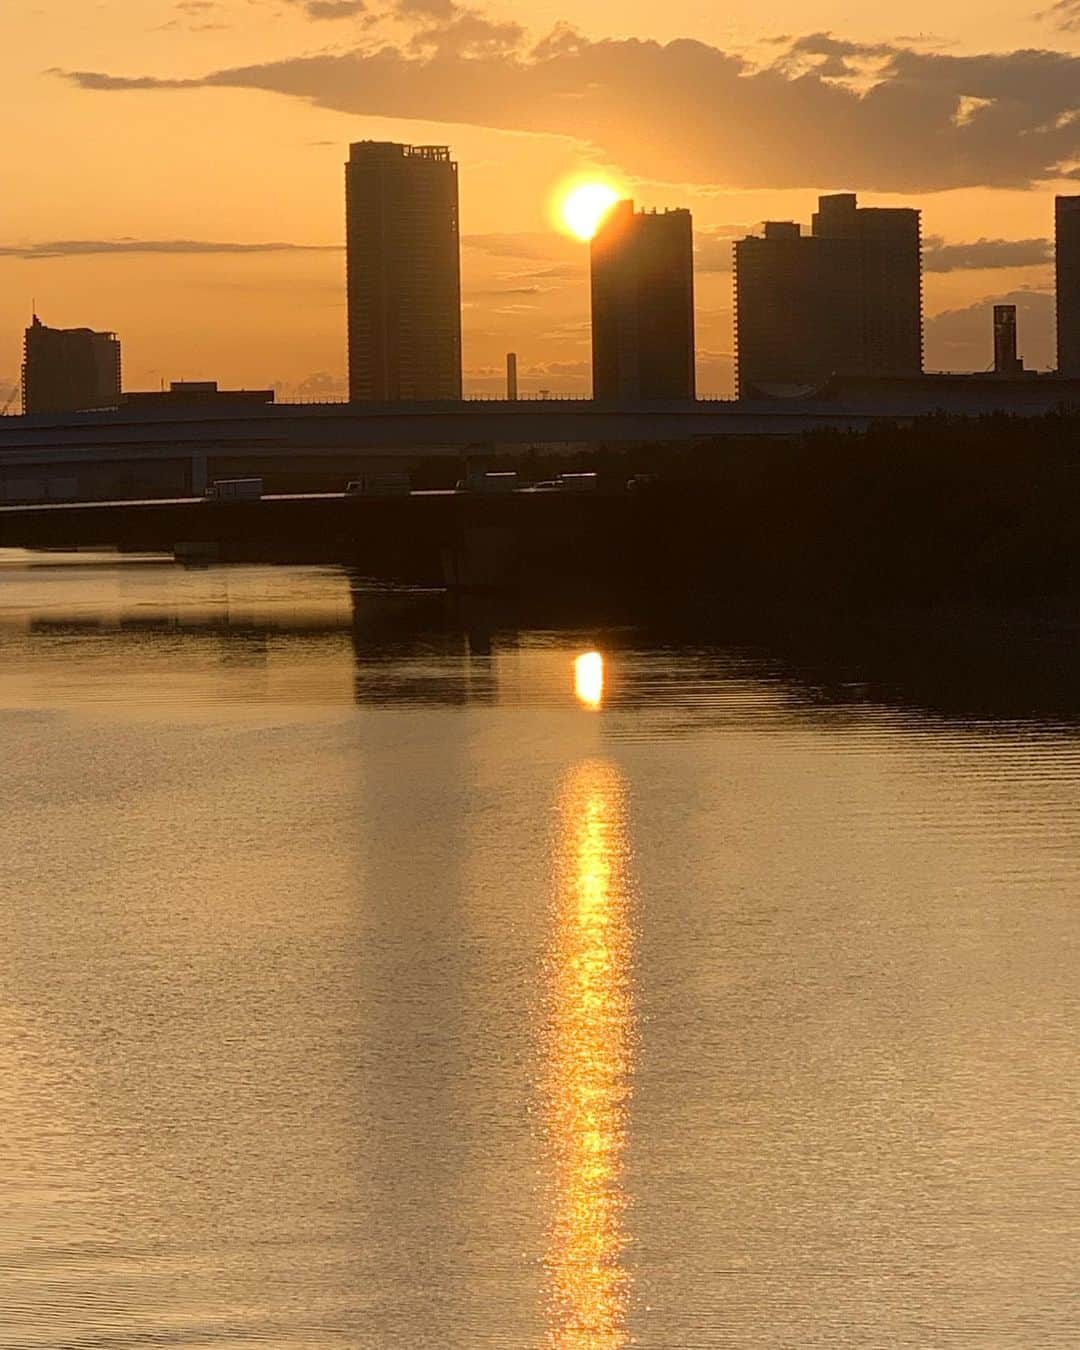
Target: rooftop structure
[198,393]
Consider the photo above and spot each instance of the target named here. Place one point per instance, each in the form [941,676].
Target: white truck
[235,490]
[386,484]
[486,481]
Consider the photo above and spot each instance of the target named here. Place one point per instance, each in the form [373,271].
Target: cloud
[467,35]
[962,339]
[713,248]
[445,27]
[196,16]
[83,248]
[534,246]
[1065,14]
[333,9]
[203,15]
[498,292]
[985,253]
[561,377]
[426,9]
[558,368]
[567,259]
[832,57]
[685,111]
[322,385]
[533,257]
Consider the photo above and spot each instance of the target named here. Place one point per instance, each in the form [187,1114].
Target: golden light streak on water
[589,679]
[589,1052]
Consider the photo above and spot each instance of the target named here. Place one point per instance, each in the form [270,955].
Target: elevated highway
[136,452]
[142,451]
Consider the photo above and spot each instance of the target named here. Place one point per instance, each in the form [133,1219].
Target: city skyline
[214,237]
[844,300]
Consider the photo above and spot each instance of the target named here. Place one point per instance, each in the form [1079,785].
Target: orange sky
[255,156]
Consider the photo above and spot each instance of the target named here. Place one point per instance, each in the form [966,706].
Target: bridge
[136,452]
[140,451]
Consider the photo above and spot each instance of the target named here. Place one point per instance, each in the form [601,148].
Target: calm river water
[372,976]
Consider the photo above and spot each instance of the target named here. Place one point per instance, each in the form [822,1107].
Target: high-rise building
[643,305]
[69,370]
[1006,358]
[404,272]
[793,306]
[844,300]
[1067,254]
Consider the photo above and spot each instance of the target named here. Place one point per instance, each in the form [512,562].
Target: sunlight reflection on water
[378,972]
[589,1050]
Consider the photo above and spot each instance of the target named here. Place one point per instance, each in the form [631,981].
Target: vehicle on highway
[566,482]
[487,481]
[235,490]
[379,485]
[578,482]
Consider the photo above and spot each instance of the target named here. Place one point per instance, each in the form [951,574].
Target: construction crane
[10,400]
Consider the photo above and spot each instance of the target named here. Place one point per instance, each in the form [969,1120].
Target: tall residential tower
[643,305]
[1006,352]
[1067,254]
[68,370]
[404,272]
[843,300]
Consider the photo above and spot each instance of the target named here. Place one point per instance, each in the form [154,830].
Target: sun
[584,206]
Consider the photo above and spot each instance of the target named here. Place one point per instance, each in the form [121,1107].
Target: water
[371,978]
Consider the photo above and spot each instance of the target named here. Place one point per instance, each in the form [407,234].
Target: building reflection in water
[588,1059]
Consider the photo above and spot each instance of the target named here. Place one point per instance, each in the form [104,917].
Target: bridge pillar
[198,475]
[483,558]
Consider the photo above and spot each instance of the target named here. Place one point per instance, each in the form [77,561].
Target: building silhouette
[197,394]
[844,300]
[404,272]
[1067,262]
[1006,359]
[642,268]
[68,370]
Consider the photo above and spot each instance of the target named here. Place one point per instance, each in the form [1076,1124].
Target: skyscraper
[69,370]
[843,300]
[643,305]
[1067,254]
[1006,358]
[404,272]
